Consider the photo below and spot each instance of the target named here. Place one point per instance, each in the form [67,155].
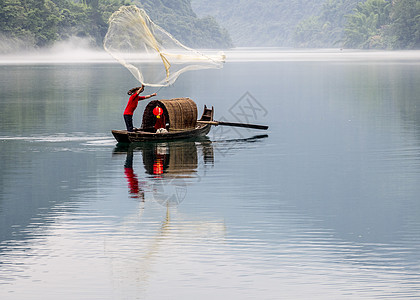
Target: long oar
[217,123]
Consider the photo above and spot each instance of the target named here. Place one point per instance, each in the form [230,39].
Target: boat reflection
[168,166]
[171,166]
[169,159]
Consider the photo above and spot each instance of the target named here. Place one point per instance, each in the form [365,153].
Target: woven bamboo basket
[180,113]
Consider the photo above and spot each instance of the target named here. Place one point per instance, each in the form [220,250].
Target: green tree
[405,27]
[326,28]
[12,17]
[42,20]
[365,27]
[35,20]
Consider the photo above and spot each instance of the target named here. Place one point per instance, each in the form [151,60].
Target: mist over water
[77,51]
[74,50]
[323,205]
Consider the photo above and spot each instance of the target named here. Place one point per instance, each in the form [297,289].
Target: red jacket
[132,103]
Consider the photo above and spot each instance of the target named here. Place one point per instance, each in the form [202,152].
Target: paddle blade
[254,126]
[245,125]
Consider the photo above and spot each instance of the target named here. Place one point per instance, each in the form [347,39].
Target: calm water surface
[324,205]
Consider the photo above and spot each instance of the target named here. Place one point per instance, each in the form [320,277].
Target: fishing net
[151,54]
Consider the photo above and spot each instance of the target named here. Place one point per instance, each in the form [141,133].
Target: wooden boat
[181,122]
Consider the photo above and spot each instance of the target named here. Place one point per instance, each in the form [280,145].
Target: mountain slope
[27,24]
[178,18]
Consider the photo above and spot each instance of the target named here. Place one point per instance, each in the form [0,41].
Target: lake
[323,205]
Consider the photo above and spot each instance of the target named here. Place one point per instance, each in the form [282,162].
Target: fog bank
[79,50]
[74,50]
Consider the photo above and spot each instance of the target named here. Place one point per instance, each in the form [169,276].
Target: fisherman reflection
[133,182]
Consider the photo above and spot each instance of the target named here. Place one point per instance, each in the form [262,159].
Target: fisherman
[132,105]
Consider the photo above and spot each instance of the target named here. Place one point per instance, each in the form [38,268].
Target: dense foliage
[367,24]
[384,24]
[326,28]
[39,23]
[405,24]
[258,23]
[398,24]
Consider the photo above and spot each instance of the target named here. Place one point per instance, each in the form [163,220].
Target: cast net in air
[151,54]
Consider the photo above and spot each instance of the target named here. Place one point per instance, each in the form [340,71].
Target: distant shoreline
[251,54]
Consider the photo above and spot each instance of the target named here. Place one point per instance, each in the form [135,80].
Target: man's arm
[149,96]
